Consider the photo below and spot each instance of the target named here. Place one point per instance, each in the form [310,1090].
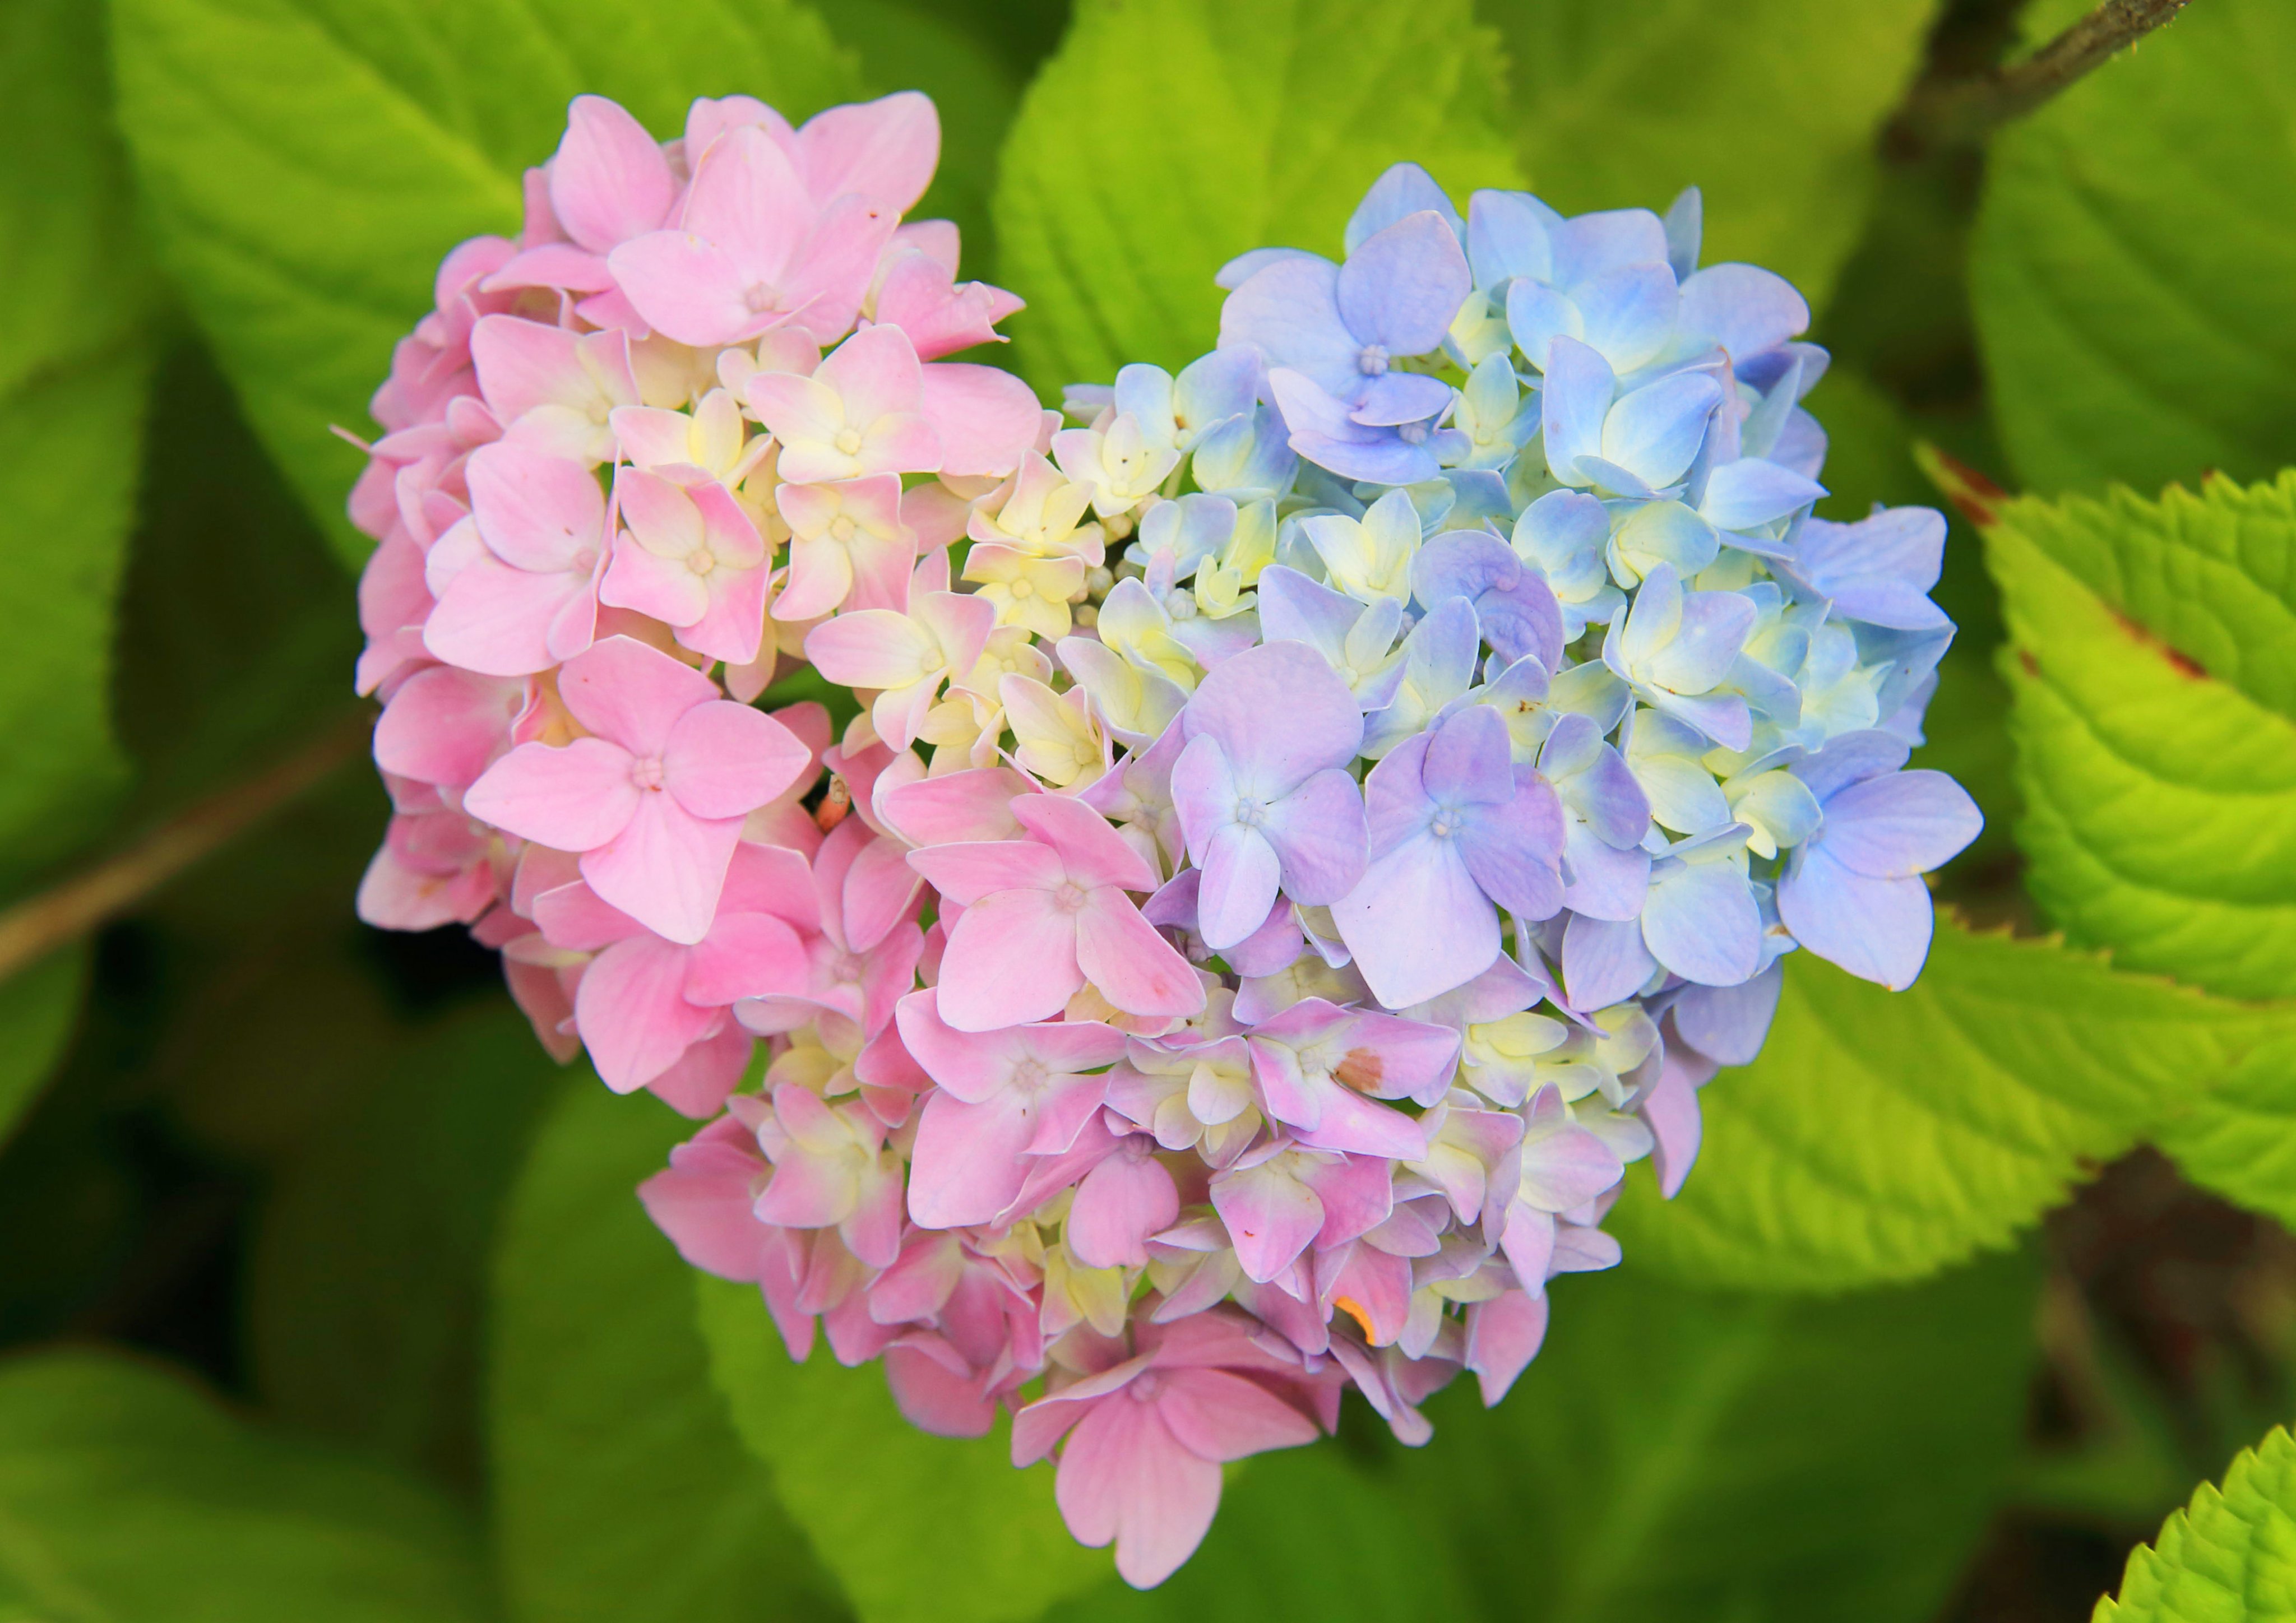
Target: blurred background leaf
[2131,259]
[1770,107]
[1683,1454]
[128,1494]
[917,1528]
[1268,121]
[620,1492]
[1314,1532]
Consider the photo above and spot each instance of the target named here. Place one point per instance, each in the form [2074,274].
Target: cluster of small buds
[1329,816]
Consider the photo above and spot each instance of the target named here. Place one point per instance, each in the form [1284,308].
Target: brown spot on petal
[1361,1069]
[2033,665]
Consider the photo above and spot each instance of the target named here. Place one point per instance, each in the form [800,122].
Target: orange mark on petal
[1355,1310]
[835,802]
[1361,1069]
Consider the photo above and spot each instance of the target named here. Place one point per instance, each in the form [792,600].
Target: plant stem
[37,926]
[1960,110]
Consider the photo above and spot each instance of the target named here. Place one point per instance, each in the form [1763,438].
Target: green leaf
[2241,1139]
[2229,1555]
[621,1493]
[309,162]
[1304,1533]
[126,1493]
[38,1009]
[2131,259]
[72,278]
[2153,662]
[1167,136]
[1884,1136]
[918,1529]
[1675,1455]
[368,1272]
[1770,107]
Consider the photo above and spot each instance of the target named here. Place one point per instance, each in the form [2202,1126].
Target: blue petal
[1750,493]
[1574,406]
[1508,234]
[1656,431]
[1536,316]
[1402,287]
[1249,264]
[1685,224]
[1700,921]
[1290,310]
[1405,189]
[1628,314]
[1742,308]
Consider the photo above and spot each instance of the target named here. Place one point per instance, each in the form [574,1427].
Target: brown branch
[1961,109]
[37,926]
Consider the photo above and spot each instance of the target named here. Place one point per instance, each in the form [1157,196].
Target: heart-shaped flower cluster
[1305,831]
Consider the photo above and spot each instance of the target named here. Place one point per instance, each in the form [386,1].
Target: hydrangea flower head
[1340,803]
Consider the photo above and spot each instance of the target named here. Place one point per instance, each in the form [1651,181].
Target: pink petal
[665,869]
[1013,959]
[622,690]
[874,373]
[610,180]
[1503,1337]
[885,149]
[1217,1415]
[572,799]
[933,1397]
[632,1013]
[698,1083]
[536,511]
[1119,1203]
[572,918]
[652,585]
[1134,968]
[1092,853]
[830,276]
[878,891]
[444,725]
[747,199]
[973,1067]
[725,759]
[820,578]
[1124,1477]
[969,1161]
[495,619]
[967,807]
[967,871]
[748,954]
[1271,1217]
[986,418]
[684,288]
[701,1201]
[873,648]
[732,629]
